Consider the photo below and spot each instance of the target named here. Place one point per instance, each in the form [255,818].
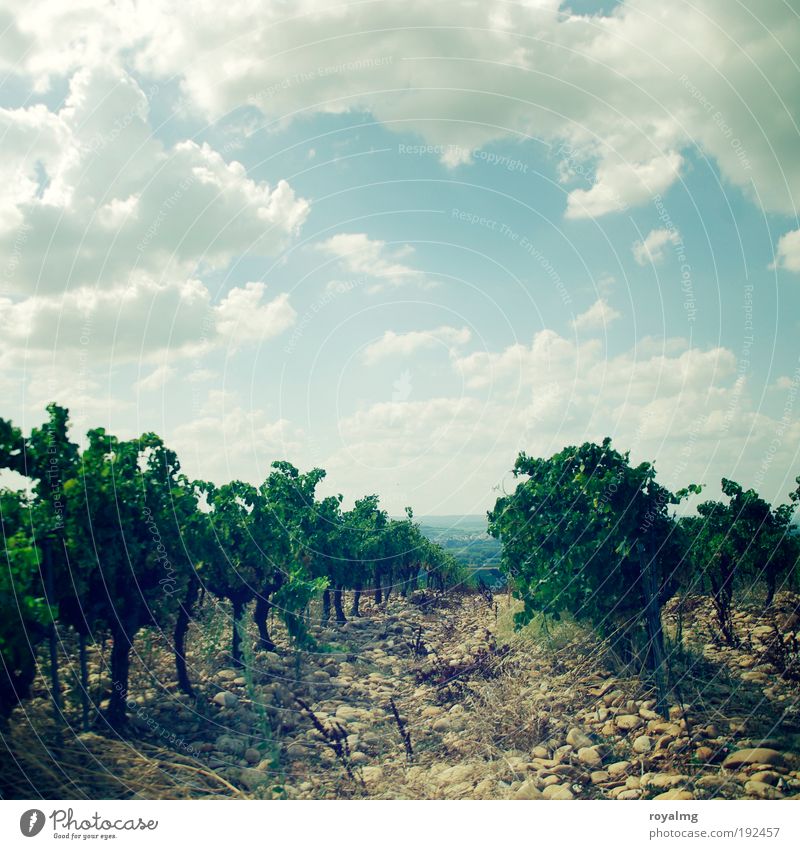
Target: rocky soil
[438,698]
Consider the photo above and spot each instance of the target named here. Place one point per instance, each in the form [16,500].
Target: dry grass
[541,633]
[510,710]
[45,764]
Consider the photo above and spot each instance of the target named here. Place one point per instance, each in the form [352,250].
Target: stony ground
[441,699]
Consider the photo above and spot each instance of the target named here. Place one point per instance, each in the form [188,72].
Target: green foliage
[292,598]
[24,613]
[577,531]
[116,539]
[743,540]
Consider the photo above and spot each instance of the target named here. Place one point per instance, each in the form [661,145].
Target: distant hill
[464,524]
[465,537]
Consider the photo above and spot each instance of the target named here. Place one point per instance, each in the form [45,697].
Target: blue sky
[405,247]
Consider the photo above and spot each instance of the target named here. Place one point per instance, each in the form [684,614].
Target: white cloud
[244,316]
[787,254]
[139,322]
[650,249]
[226,440]
[47,40]
[549,354]
[370,259]
[685,408]
[107,231]
[157,379]
[627,91]
[585,389]
[623,183]
[393,344]
[94,195]
[85,389]
[597,317]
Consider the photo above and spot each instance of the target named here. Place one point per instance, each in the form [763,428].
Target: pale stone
[618,768]
[456,774]
[231,745]
[557,792]
[674,794]
[225,699]
[628,722]
[753,756]
[663,781]
[578,740]
[346,713]
[527,791]
[704,754]
[712,782]
[253,778]
[762,790]
[371,774]
[590,756]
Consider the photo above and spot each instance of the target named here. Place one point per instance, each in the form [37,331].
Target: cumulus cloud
[156,379]
[392,344]
[45,41]
[597,317]
[686,408]
[548,353]
[626,92]
[227,440]
[650,249]
[108,232]
[370,259]
[246,316]
[577,384]
[96,196]
[138,323]
[620,184]
[787,254]
[105,219]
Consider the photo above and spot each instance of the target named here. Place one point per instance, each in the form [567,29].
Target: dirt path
[444,700]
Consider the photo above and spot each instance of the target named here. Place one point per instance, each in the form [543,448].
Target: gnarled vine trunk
[337,605]
[120,667]
[181,628]
[722,598]
[354,611]
[260,615]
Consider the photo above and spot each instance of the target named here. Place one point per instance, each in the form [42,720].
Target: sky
[405,241]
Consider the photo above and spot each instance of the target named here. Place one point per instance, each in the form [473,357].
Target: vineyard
[172,638]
